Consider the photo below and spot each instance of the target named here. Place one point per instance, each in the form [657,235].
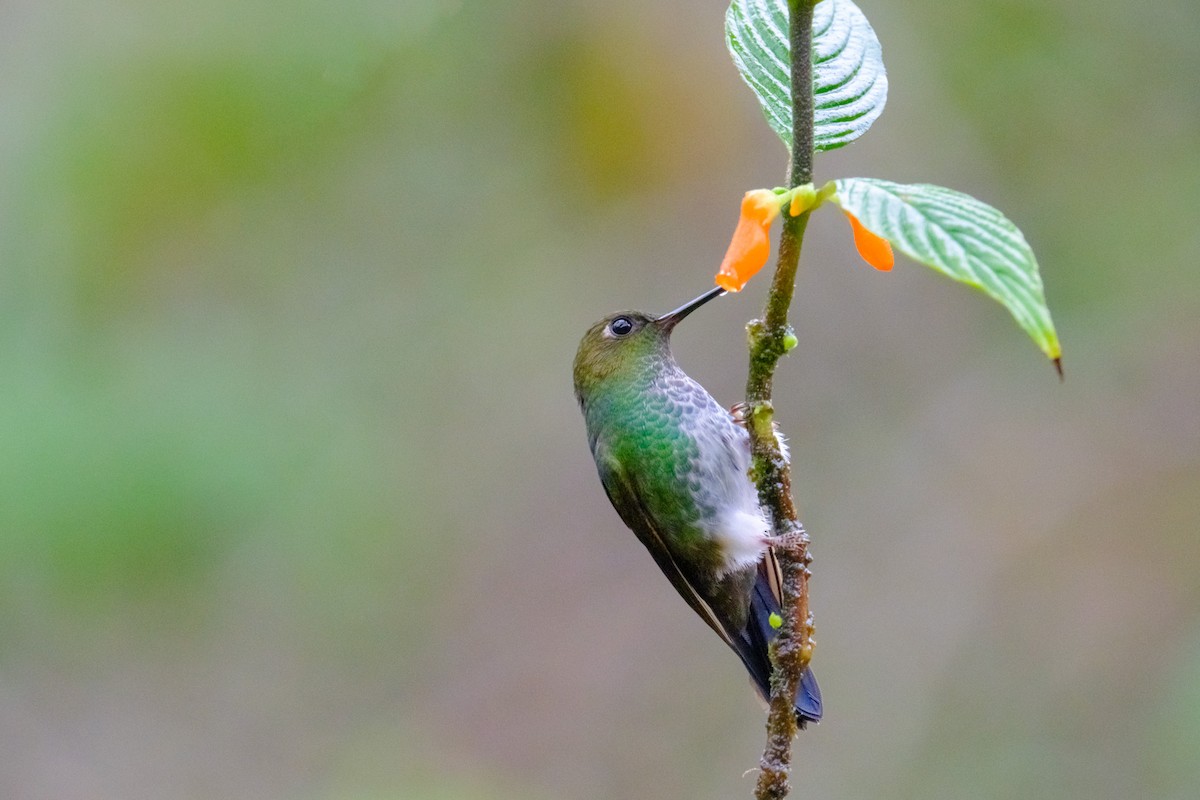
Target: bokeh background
[294,497]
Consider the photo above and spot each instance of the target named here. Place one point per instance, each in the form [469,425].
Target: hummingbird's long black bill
[672,318]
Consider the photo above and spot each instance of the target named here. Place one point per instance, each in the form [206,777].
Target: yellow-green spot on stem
[775,620]
[803,199]
[789,342]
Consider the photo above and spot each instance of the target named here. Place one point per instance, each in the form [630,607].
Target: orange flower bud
[874,249]
[751,244]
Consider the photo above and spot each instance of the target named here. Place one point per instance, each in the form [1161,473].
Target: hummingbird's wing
[770,573]
[765,600]
[751,641]
[627,500]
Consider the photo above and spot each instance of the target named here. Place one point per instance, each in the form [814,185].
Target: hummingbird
[675,465]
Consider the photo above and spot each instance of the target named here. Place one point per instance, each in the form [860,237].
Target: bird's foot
[739,411]
[793,542]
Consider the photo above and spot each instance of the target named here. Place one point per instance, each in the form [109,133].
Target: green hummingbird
[674,464]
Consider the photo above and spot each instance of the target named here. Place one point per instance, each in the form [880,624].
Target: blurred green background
[294,497]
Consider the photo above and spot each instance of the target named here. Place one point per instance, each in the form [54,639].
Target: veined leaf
[849,81]
[960,237]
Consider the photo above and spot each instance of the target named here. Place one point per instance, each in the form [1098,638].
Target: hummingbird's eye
[620,326]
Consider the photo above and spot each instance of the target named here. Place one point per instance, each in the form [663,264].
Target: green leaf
[849,81]
[960,237]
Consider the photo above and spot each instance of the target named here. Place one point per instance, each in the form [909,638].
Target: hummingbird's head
[627,343]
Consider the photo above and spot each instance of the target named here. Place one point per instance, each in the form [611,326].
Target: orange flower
[874,249]
[751,244]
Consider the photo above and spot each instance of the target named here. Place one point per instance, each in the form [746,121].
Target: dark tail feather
[751,645]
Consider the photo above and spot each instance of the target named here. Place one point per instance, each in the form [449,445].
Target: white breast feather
[740,528]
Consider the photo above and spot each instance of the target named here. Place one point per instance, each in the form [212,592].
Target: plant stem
[792,648]
[800,36]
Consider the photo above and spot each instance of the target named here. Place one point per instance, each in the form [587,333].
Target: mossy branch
[792,649]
